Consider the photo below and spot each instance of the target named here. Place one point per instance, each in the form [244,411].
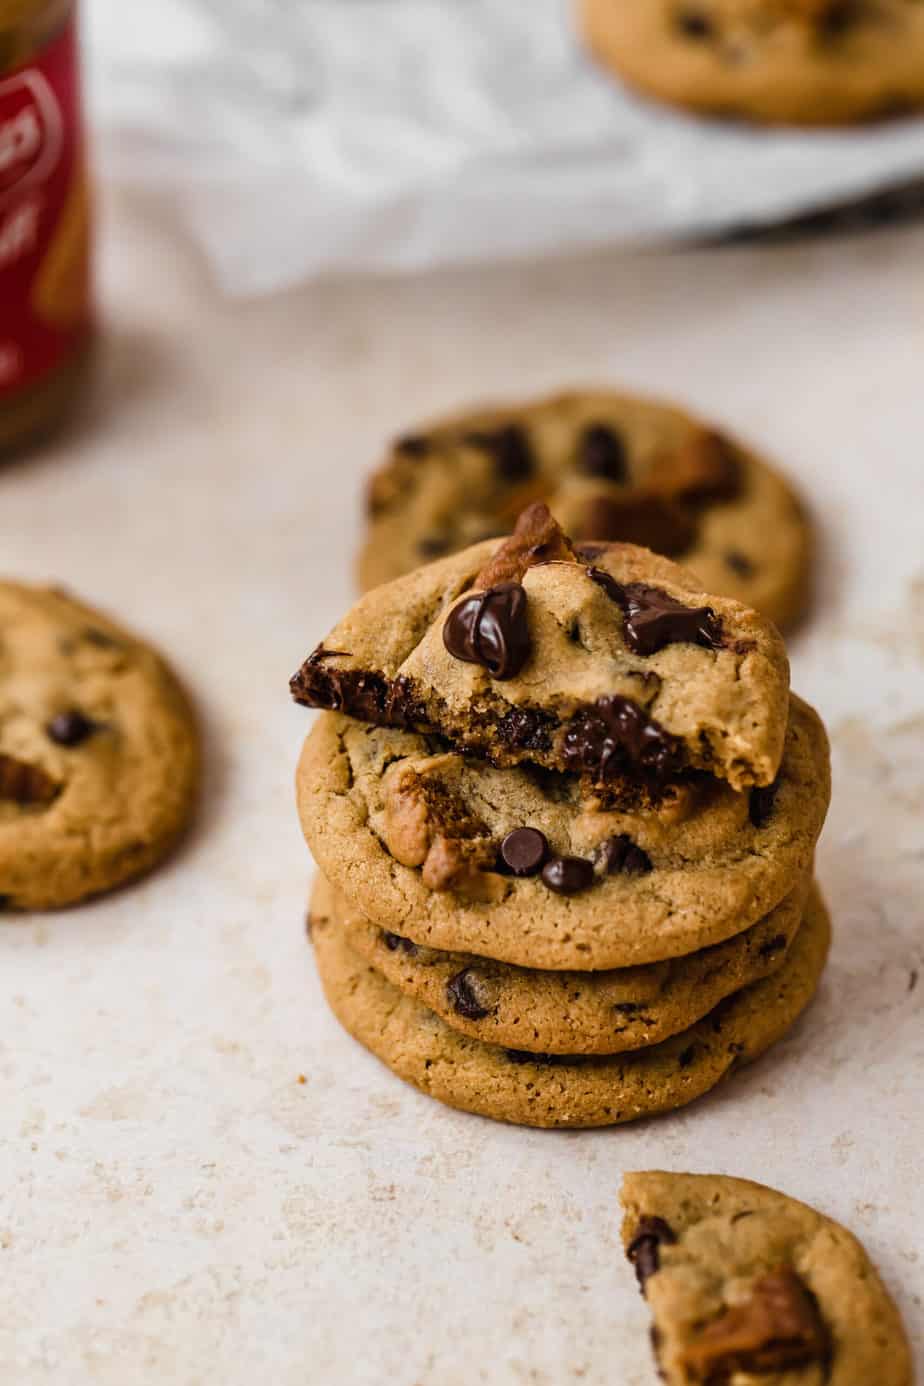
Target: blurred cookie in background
[99,752]
[785,62]
[610,466]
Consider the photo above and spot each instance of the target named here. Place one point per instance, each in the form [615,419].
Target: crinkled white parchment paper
[323,135]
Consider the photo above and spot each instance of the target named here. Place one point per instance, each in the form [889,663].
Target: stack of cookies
[565,809]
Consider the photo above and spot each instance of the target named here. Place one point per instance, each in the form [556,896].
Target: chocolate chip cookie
[602,660]
[429,844]
[555,1091]
[567,1012]
[805,62]
[98,751]
[611,467]
[746,1284]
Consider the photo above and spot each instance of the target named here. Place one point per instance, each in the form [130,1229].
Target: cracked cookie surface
[811,62]
[611,466]
[549,1091]
[408,833]
[746,1284]
[567,1012]
[604,660]
[98,751]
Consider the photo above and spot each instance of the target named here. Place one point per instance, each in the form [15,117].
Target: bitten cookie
[98,751]
[745,1284]
[611,467]
[803,62]
[518,864]
[604,660]
[567,1012]
[537,1090]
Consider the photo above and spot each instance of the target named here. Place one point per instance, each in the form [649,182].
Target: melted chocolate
[654,619]
[644,1250]
[615,735]
[491,629]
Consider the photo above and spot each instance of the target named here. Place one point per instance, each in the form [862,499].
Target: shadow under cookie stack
[565,810]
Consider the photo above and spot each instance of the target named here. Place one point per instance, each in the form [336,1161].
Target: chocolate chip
[568,875]
[602,452]
[615,734]
[651,521]
[71,727]
[433,546]
[461,992]
[694,24]
[491,629]
[644,1250]
[100,639]
[739,563]
[412,445]
[761,803]
[772,946]
[395,941]
[526,729]
[524,850]
[837,19]
[654,619]
[626,1007]
[25,784]
[619,855]
[510,450]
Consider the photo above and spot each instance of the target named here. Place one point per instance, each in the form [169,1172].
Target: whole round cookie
[98,751]
[550,1091]
[611,467]
[568,1012]
[802,62]
[612,885]
[747,1284]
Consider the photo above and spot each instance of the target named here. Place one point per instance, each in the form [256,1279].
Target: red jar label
[44,215]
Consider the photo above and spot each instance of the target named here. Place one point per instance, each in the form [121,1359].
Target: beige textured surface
[178,1209]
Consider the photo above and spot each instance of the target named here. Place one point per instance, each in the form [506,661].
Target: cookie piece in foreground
[605,661]
[99,751]
[745,1283]
[549,1091]
[568,1012]
[610,466]
[414,837]
[791,62]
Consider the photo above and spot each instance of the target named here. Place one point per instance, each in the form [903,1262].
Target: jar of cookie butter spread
[45,299]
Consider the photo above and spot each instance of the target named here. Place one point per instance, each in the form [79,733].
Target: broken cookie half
[747,1285]
[603,660]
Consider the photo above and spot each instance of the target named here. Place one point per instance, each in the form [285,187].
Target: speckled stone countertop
[178,1206]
